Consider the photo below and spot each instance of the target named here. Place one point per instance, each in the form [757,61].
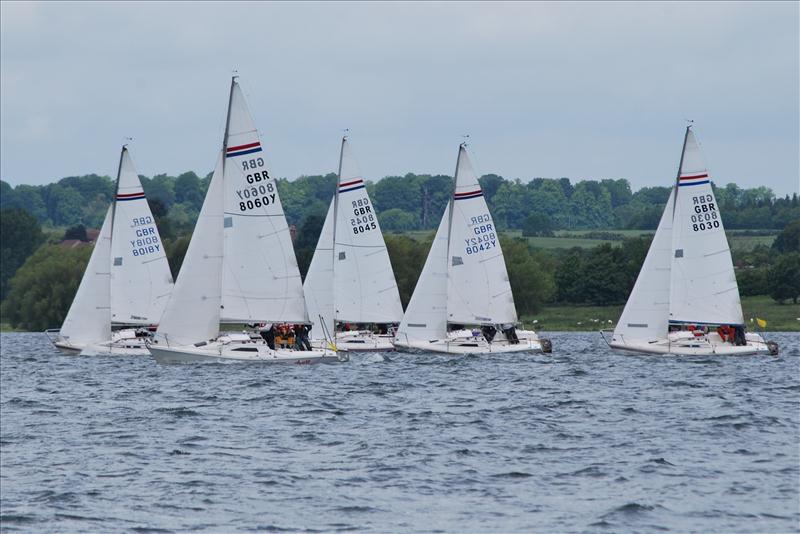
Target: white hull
[361,341]
[710,345]
[251,351]
[124,343]
[529,342]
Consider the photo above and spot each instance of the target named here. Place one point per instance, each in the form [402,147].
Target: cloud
[585,90]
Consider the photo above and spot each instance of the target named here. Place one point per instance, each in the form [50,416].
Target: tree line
[412,202]
[42,287]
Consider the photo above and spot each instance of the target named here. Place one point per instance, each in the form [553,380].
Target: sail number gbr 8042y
[261,193]
[705,215]
[363,219]
[484,237]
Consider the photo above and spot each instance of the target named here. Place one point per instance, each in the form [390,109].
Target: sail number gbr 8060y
[705,215]
[262,191]
[363,219]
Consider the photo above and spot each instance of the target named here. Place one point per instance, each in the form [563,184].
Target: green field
[780,318]
[564,239]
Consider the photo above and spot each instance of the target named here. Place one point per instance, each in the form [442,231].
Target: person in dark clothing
[511,334]
[738,336]
[301,337]
[269,336]
[488,332]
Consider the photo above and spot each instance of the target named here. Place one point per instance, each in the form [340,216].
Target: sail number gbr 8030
[261,192]
[705,215]
[363,219]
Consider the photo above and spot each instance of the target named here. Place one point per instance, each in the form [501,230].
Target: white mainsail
[478,289]
[193,312]
[261,281]
[703,285]
[89,317]
[318,285]
[365,290]
[646,314]
[426,315]
[141,281]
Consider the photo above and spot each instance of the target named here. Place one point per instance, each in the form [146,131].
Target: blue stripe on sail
[131,198]
[693,183]
[362,186]
[243,152]
[476,195]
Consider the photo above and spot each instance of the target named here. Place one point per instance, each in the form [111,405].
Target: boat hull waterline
[215,352]
[529,342]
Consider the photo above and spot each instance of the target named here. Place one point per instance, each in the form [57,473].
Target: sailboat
[127,281]
[463,303]
[686,300]
[240,265]
[350,280]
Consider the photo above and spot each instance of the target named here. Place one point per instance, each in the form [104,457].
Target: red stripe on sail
[694,176]
[458,195]
[126,195]
[351,183]
[242,147]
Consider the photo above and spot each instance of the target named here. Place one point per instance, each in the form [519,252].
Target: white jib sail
[141,281]
[703,284]
[193,311]
[478,288]
[89,317]
[365,290]
[318,286]
[261,281]
[426,315]
[646,314]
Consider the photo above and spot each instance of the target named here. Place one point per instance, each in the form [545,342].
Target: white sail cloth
[89,317]
[703,285]
[261,280]
[141,281]
[350,277]
[193,312]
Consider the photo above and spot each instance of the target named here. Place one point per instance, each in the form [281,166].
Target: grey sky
[583,90]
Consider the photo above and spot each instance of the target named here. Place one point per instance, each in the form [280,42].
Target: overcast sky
[582,90]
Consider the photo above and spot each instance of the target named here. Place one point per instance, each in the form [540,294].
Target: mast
[227,125]
[111,233]
[461,147]
[680,166]
[335,215]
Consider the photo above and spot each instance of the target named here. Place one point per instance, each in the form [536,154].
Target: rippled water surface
[583,440]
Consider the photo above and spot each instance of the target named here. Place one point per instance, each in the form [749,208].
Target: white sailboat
[350,279]
[127,282]
[240,265]
[686,300]
[464,284]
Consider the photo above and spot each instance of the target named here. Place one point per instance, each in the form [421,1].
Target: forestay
[478,289]
[261,281]
[365,290]
[141,280]
[703,284]
[318,286]
[89,317]
[193,312]
[426,315]
[646,314]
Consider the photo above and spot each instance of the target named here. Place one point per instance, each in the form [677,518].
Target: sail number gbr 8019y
[261,193]
[363,219]
[705,215]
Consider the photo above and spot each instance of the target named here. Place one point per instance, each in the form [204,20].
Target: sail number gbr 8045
[363,219]
[705,215]
[261,192]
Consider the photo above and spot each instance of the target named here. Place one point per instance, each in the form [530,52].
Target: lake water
[583,440]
